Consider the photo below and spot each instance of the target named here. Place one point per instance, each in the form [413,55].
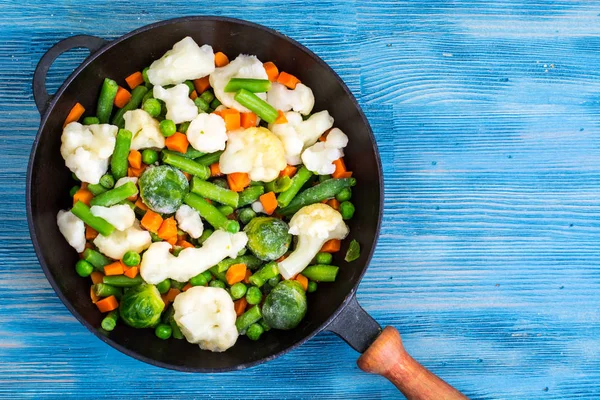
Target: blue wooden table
[486,114]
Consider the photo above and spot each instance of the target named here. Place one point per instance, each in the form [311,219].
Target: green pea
[167,127]
[177,285]
[347,210]
[163,331]
[131,259]
[274,281]
[149,156]
[312,286]
[215,103]
[190,86]
[201,104]
[323,258]
[152,107]
[245,215]
[253,295]
[207,96]
[344,195]
[238,290]
[207,275]
[145,75]
[217,283]
[198,280]
[91,120]
[84,268]
[164,286]
[254,331]
[107,181]
[74,190]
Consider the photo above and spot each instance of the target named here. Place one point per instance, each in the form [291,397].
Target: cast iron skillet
[333,307]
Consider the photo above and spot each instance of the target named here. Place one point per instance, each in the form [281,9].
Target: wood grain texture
[486,116]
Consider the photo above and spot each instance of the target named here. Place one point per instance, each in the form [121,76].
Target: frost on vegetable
[72,228]
[314,225]
[145,130]
[300,99]
[126,179]
[207,133]
[141,306]
[188,220]
[244,66]
[206,316]
[180,108]
[163,188]
[121,216]
[87,149]
[268,238]
[319,157]
[186,60]
[159,264]
[256,151]
[285,306]
[120,242]
[296,135]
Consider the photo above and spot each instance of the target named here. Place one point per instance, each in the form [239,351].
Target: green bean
[198,280]
[97,259]
[257,105]
[208,97]
[217,283]
[91,121]
[155,237]
[119,162]
[301,177]
[191,153]
[251,262]
[316,194]
[131,259]
[250,195]
[147,96]
[347,210]
[208,276]
[84,268]
[218,275]
[344,195]
[238,290]
[163,331]
[323,258]
[115,196]
[279,185]
[323,178]
[210,158]
[96,188]
[145,76]
[202,105]
[251,85]
[185,164]
[183,127]
[265,326]
[254,331]
[167,127]
[245,215]
[107,181]
[177,285]
[211,214]
[106,99]
[190,86]
[105,290]
[353,252]
[136,99]
[215,103]
[152,107]
[274,281]
[74,190]
[213,192]
[122,280]
[253,295]
[226,210]
[321,273]
[176,331]
[83,212]
[149,156]
[312,286]
[220,182]
[164,286]
[248,318]
[110,321]
[205,235]
[168,317]
[264,274]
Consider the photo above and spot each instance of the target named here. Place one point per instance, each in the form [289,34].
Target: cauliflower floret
[188,220]
[207,133]
[159,264]
[86,149]
[244,66]
[126,179]
[145,130]
[319,157]
[297,134]
[314,225]
[255,151]
[301,99]
[206,316]
[72,228]
[184,61]
[180,108]
[257,207]
[121,216]
[120,242]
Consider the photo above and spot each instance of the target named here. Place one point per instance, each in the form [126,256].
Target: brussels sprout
[141,306]
[163,188]
[268,238]
[285,306]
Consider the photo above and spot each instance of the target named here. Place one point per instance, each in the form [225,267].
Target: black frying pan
[332,307]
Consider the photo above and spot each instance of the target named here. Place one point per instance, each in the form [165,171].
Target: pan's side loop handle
[384,354]
[40,94]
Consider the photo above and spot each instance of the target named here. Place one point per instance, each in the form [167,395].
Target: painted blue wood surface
[486,113]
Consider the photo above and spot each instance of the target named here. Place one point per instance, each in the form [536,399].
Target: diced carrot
[217,113]
[232,119]
[123,96]
[172,240]
[140,204]
[96,277]
[221,59]
[177,142]
[74,115]
[186,287]
[248,119]
[238,181]
[107,304]
[247,277]
[90,233]
[281,119]
[169,297]
[289,170]
[194,95]
[215,170]
[136,172]
[334,203]
[134,80]
[184,243]
[93,295]
[240,306]
[135,159]
[201,85]
[187,176]
[236,273]
[340,169]
[288,80]
[132,272]
[168,229]
[83,195]
[115,268]
[151,221]
[301,279]
[269,202]
[272,71]
[331,246]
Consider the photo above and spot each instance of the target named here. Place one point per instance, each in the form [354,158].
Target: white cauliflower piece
[159,264]
[257,207]
[244,66]
[206,316]
[314,225]
[188,220]
[186,60]
[126,179]
[72,228]
[87,149]
[120,242]
[180,108]
[297,134]
[145,130]
[256,151]
[207,133]
[121,216]
[300,99]
[319,157]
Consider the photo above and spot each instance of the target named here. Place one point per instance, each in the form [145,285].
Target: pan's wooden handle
[387,357]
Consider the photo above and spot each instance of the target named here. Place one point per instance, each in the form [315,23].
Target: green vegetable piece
[245,215]
[137,95]
[110,321]
[217,283]
[264,274]
[177,285]
[316,194]
[107,181]
[128,203]
[164,286]
[253,295]
[168,318]
[222,183]
[264,325]
[141,306]
[202,105]
[208,97]
[268,237]
[190,86]
[163,188]
[347,210]
[312,286]
[185,164]
[250,195]
[152,107]
[105,290]
[251,85]
[251,262]
[213,192]
[215,103]
[324,258]
[248,318]
[274,281]
[208,276]
[106,99]
[344,195]
[131,259]
[91,121]
[183,127]
[205,235]
[167,127]
[115,195]
[218,275]
[238,290]
[301,177]
[96,188]
[353,252]
[122,281]
[321,273]
[155,237]
[97,259]
[83,212]
[198,280]
[254,331]
[149,156]
[163,331]
[191,152]
[211,214]
[226,210]
[285,306]
[257,105]
[323,178]
[279,185]
[75,178]
[84,268]
[149,95]
[74,190]
[145,76]
[209,159]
